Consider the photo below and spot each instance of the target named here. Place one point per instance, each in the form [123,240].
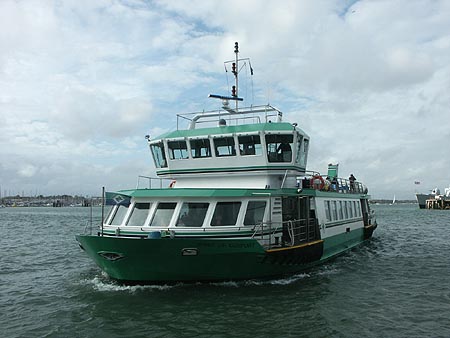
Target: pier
[437,204]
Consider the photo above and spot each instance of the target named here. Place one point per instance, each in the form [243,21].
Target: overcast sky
[82,83]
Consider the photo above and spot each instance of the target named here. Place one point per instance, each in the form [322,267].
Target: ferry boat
[238,204]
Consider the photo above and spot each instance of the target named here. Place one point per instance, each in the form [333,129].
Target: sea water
[395,285]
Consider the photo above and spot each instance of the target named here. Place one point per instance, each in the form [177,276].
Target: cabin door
[299,225]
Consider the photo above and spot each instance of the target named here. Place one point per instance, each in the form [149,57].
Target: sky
[82,82]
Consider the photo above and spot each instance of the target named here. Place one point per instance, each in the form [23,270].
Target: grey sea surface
[395,285]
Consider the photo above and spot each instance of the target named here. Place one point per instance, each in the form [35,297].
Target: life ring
[317,182]
[172,184]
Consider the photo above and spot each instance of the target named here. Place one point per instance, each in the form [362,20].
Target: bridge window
[250,145]
[159,156]
[139,214]
[163,215]
[255,212]
[279,148]
[224,146]
[303,153]
[200,148]
[226,213]
[177,150]
[192,214]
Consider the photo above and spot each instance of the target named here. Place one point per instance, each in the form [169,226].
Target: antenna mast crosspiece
[234,89]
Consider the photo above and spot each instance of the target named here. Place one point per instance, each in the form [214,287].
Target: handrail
[297,231]
[341,185]
[232,115]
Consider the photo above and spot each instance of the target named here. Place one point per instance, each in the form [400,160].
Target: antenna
[235,67]
[235,88]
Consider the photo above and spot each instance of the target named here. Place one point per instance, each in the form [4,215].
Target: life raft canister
[317,182]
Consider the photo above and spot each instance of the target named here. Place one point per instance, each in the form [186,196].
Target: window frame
[180,209]
[258,150]
[237,215]
[227,146]
[154,211]
[132,212]
[194,149]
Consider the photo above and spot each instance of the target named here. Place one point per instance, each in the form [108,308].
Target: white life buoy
[317,182]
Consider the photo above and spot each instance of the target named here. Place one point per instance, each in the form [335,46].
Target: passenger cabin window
[224,146]
[159,156]
[226,213]
[177,150]
[138,214]
[327,210]
[255,212]
[119,215]
[341,215]
[200,148]
[279,148]
[192,214]
[250,145]
[163,215]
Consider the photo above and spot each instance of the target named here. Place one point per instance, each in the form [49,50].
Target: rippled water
[396,285]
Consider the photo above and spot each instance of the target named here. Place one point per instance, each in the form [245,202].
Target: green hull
[203,259]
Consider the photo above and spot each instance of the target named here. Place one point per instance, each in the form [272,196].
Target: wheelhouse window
[159,155]
[224,146]
[279,147]
[254,214]
[299,148]
[250,145]
[177,150]
[119,215]
[225,214]
[163,215]
[192,214]
[200,148]
[139,214]
[303,153]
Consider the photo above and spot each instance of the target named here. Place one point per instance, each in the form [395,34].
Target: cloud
[82,82]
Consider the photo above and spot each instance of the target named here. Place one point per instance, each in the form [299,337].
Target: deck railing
[253,114]
[293,232]
[314,180]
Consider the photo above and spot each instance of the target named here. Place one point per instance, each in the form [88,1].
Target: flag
[416,182]
[114,198]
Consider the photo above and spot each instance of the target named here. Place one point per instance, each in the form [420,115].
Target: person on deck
[352,180]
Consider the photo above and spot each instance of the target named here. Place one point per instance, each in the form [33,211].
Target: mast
[235,69]
[234,88]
